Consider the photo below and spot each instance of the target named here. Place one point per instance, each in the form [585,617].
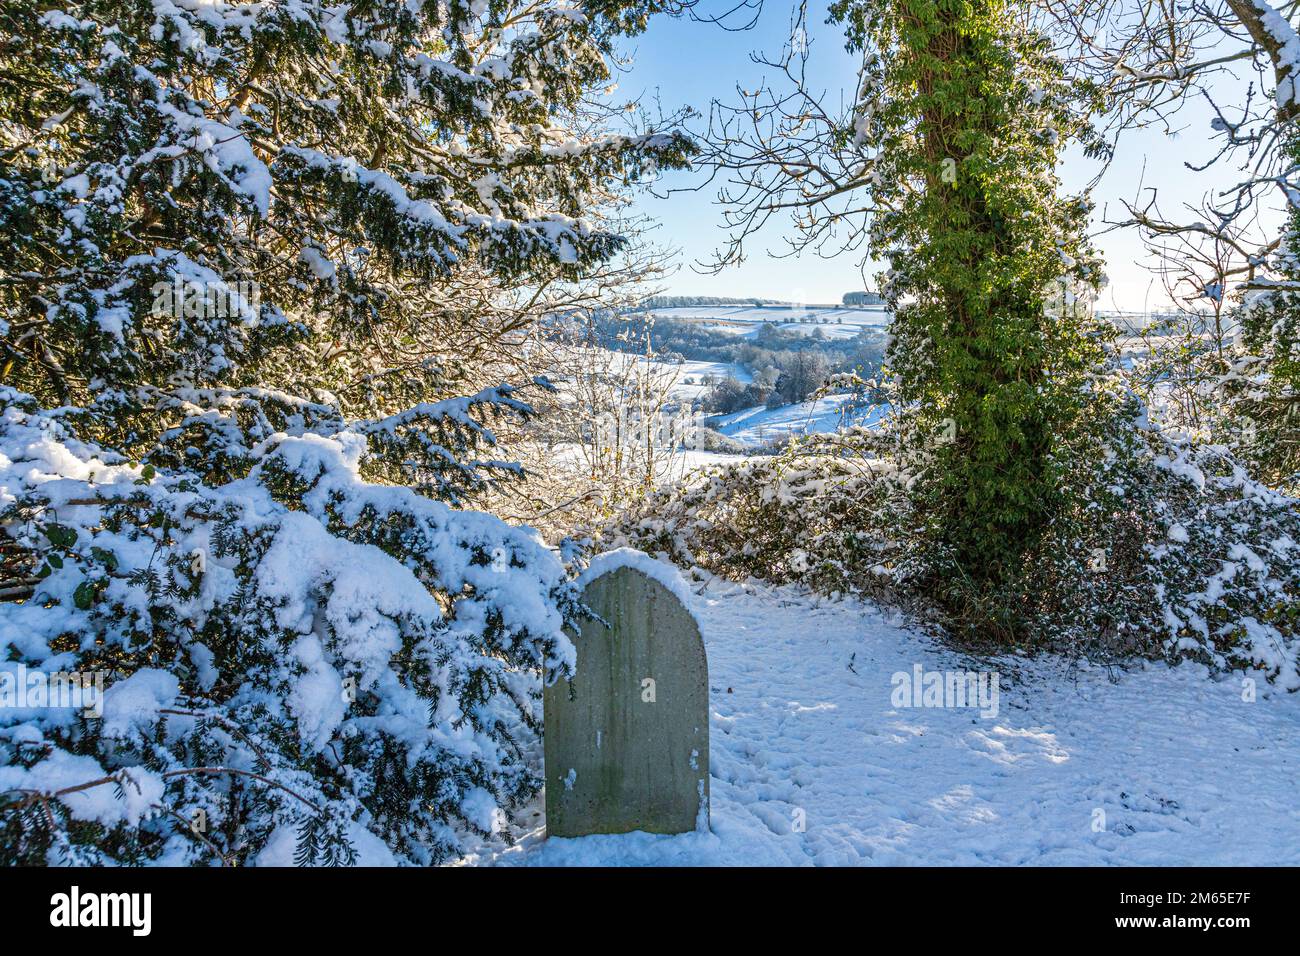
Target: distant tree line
[863,298]
[689,301]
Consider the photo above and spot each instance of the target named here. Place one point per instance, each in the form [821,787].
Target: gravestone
[627,738]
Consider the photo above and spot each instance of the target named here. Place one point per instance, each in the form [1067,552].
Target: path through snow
[1184,770]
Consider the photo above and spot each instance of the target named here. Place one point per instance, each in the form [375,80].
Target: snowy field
[754,427]
[834,321]
[759,425]
[1161,766]
[696,379]
[685,381]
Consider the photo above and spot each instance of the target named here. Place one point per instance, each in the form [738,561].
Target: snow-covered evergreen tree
[247,251]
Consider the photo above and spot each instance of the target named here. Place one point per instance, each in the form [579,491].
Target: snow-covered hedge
[818,514]
[1167,546]
[1171,546]
[298,665]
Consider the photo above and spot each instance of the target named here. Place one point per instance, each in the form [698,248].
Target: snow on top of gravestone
[661,571]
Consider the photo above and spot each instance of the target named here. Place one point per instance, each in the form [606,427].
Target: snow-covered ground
[834,321]
[759,425]
[684,381]
[691,381]
[696,379]
[1159,766]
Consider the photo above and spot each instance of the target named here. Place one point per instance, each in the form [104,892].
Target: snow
[834,321]
[661,571]
[321,267]
[370,850]
[692,459]
[1183,468]
[812,764]
[225,151]
[140,789]
[132,704]
[480,808]
[1287,56]
[703,375]
[758,425]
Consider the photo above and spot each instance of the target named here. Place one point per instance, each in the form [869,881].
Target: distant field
[834,321]
[757,426]
[702,375]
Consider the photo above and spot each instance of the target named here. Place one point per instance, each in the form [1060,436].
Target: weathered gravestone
[627,739]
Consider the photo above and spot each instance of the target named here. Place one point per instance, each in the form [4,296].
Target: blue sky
[685,62]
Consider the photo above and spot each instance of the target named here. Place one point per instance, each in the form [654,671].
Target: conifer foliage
[231,457]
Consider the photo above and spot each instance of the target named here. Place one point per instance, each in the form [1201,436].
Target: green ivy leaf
[61,536]
[107,558]
[84,596]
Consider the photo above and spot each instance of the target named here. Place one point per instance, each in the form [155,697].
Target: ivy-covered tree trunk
[989,265]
